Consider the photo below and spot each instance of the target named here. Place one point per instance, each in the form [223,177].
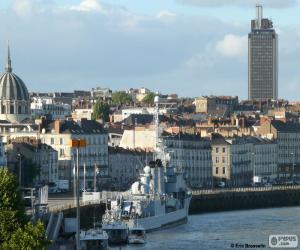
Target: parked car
[53,190]
[221,184]
[267,184]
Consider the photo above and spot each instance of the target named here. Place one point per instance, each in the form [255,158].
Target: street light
[293,166]
[96,172]
[77,143]
[254,166]
[20,169]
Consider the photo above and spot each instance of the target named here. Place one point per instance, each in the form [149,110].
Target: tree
[121,98]
[149,98]
[16,232]
[10,198]
[101,111]
[29,237]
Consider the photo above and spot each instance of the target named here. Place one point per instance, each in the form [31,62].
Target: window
[217,159]
[223,150]
[61,141]
[223,159]
[217,170]
[217,150]
[223,170]
[52,140]
[61,152]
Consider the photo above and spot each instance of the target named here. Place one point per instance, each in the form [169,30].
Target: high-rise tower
[262,58]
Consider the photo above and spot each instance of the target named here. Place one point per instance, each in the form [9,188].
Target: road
[60,200]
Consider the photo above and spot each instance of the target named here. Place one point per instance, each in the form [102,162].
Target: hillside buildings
[214,104]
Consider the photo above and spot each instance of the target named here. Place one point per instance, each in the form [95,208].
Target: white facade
[265,160]
[95,154]
[237,160]
[79,114]
[127,112]
[192,155]
[43,106]
[139,138]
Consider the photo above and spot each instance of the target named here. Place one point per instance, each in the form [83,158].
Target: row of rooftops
[220,140]
[83,126]
[31,143]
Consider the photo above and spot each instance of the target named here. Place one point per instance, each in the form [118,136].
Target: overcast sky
[189,47]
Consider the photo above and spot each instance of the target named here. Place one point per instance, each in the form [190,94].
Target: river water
[226,230]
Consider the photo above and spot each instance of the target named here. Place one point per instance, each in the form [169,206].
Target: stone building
[237,160]
[287,136]
[211,104]
[191,154]
[125,165]
[43,155]
[232,161]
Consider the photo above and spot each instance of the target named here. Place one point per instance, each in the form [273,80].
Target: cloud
[26,8]
[88,5]
[22,7]
[232,46]
[241,3]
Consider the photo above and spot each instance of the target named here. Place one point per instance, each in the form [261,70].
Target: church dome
[14,97]
[11,86]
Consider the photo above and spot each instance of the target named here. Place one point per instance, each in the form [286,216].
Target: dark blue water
[221,230]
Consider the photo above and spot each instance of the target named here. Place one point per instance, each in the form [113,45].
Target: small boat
[93,239]
[137,235]
[117,231]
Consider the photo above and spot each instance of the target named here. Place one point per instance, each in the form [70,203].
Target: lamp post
[20,169]
[293,166]
[84,172]
[77,143]
[254,172]
[96,172]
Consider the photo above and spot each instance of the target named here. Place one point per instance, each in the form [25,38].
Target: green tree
[27,238]
[15,229]
[149,98]
[101,111]
[121,98]
[10,198]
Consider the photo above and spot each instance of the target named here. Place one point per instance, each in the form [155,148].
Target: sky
[188,47]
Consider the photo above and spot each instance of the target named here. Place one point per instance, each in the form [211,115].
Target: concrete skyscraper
[262,58]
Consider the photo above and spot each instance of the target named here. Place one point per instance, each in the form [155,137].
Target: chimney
[57,124]
[209,120]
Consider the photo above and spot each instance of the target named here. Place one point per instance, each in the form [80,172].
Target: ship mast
[156,126]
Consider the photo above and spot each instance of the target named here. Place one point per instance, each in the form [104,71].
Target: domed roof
[11,86]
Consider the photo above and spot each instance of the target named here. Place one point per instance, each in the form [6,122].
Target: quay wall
[244,198]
